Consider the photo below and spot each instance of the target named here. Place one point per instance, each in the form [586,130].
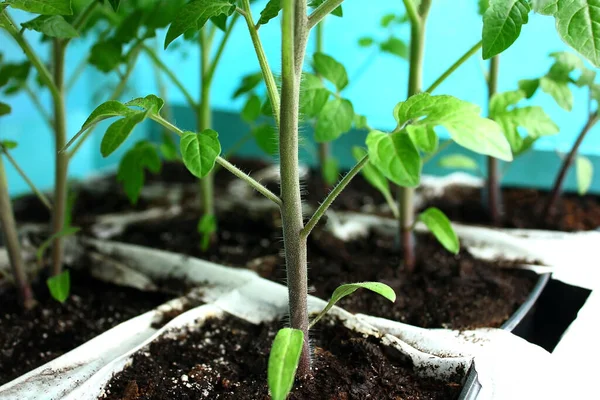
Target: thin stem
[62,159]
[204,118]
[454,66]
[11,241]
[412,12]
[318,214]
[77,73]
[171,75]
[566,164]
[392,204]
[234,149]
[29,182]
[493,182]
[38,105]
[215,62]
[322,11]
[268,76]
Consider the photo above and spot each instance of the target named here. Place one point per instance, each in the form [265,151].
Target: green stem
[62,159]
[204,119]
[318,214]
[11,241]
[41,196]
[268,76]
[215,62]
[321,12]
[493,181]
[235,148]
[38,105]
[454,66]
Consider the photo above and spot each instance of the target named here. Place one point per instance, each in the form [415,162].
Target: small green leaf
[586,78]
[396,156]
[424,137]
[106,55]
[67,231]
[366,41]
[249,82]
[386,20]
[440,226]
[194,15]
[360,122]
[131,168]
[51,25]
[313,95]
[335,118]
[585,173]
[347,289]
[207,226]
[119,131]
[394,46]
[458,161]
[220,21]
[564,64]
[502,24]
[168,148]
[283,362]
[529,86]
[115,4]
[200,151]
[4,109]
[482,6]
[372,174]
[270,11]
[266,138]
[109,109]
[8,144]
[251,110]
[44,7]
[150,103]
[331,70]
[60,286]
[578,24]
[559,90]
[16,74]
[330,171]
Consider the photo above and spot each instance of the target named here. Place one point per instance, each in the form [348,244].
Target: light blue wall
[454,26]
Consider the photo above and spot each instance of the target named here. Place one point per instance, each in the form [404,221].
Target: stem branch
[454,66]
[29,182]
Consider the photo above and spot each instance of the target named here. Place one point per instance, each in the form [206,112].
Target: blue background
[453,27]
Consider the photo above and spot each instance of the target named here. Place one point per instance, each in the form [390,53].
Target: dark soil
[32,338]
[446,291]
[228,360]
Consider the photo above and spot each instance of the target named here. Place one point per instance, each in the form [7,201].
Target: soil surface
[446,291]
[32,338]
[227,359]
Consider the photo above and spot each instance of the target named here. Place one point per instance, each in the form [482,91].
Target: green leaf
[578,24]
[51,25]
[437,222]
[349,288]
[106,55]
[559,90]
[200,151]
[585,173]
[313,95]
[8,144]
[529,86]
[266,138]
[220,21]
[396,156]
[4,109]
[330,171]
[372,174]
[115,4]
[60,286]
[458,161]
[338,12]
[207,226]
[283,362]
[460,118]
[394,46]
[67,231]
[386,20]
[44,7]
[482,6]
[330,69]
[545,7]
[109,109]
[502,24]
[360,122]
[249,82]
[150,103]
[270,11]
[335,118]
[168,148]
[131,168]
[424,138]
[194,15]
[366,41]
[15,74]
[251,110]
[586,78]
[564,64]
[119,131]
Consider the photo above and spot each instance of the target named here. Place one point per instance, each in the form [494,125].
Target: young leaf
[335,118]
[347,289]
[194,15]
[111,108]
[458,161]
[51,25]
[168,148]
[529,86]
[8,144]
[251,110]
[266,138]
[4,109]
[283,362]
[200,151]
[249,82]
[106,55]
[424,137]
[119,131]
[502,24]
[585,173]
[366,41]
[67,231]
[396,156]
[360,122]
[394,46]
[44,7]
[559,90]
[586,78]
[131,168]
[150,103]
[545,7]
[206,227]
[331,171]
[578,24]
[270,11]
[372,174]
[440,226]
[60,286]
[482,6]
[331,70]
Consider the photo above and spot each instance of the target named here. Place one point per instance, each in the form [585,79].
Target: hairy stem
[322,11]
[566,164]
[406,195]
[294,31]
[11,241]
[41,196]
[204,119]
[493,182]
[454,66]
[62,158]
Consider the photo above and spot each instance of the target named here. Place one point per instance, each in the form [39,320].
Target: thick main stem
[294,30]
[562,174]
[11,240]
[406,195]
[204,119]
[62,158]
[493,182]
